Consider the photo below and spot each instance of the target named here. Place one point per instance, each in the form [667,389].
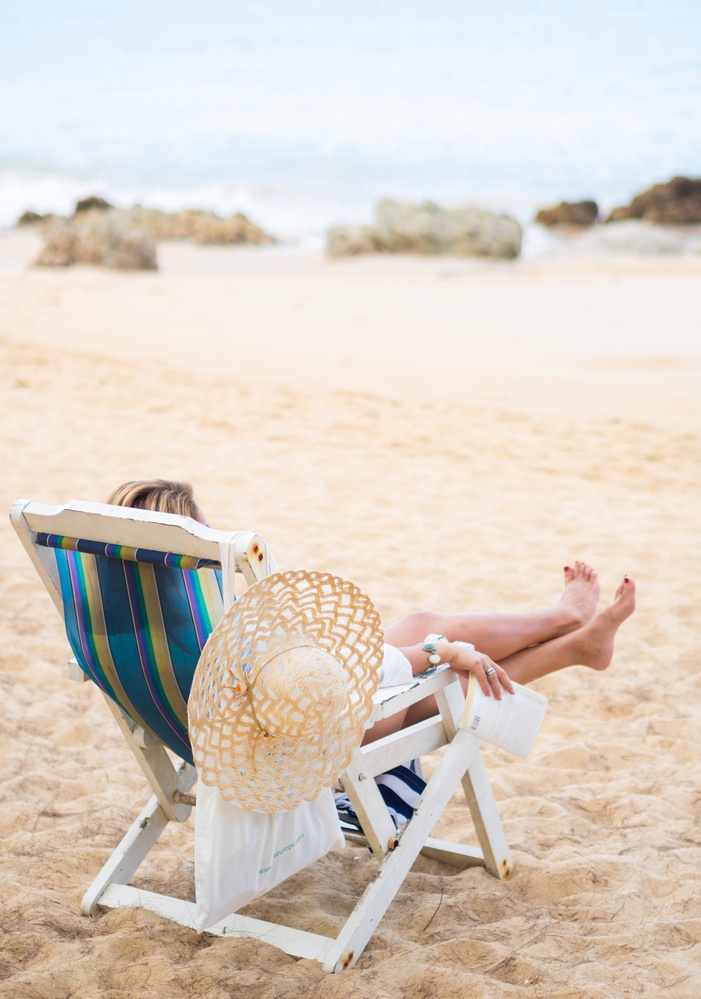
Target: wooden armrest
[389,700]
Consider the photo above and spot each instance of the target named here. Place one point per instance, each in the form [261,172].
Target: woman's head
[160,495]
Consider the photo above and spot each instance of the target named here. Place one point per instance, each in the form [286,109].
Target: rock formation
[92,203]
[429,229]
[353,240]
[678,202]
[98,233]
[569,213]
[29,218]
[634,237]
[205,228]
[98,238]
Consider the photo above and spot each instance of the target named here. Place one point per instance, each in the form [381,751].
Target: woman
[499,648]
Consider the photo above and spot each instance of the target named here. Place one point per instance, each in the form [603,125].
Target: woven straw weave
[283,689]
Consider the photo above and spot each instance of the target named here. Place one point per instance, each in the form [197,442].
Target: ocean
[303,114]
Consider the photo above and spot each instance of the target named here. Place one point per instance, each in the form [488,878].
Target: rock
[92,203]
[634,237]
[429,229]
[352,241]
[125,238]
[59,246]
[678,202]
[205,228]
[117,244]
[29,218]
[574,213]
[32,219]
[98,237]
[210,229]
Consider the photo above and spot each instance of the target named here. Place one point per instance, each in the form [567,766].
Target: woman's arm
[463,658]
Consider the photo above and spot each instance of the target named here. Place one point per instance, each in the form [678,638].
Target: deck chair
[139,593]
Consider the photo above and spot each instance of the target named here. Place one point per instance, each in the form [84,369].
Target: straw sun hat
[283,689]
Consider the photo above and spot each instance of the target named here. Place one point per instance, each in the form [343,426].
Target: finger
[493,680]
[505,680]
[483,680]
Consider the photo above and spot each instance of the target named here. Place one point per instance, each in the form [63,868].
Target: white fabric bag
[241,854]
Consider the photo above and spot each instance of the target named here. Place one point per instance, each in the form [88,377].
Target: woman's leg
[501,634]
[591,645]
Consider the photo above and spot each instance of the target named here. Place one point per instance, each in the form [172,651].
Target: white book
[511,724]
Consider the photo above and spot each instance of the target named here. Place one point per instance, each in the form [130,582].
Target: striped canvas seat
[137,621]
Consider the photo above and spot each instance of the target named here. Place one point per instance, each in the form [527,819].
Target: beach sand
[447,434]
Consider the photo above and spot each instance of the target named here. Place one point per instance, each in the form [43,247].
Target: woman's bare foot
[581,596]
[594,642]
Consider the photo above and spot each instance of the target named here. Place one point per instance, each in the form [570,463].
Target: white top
[395,668]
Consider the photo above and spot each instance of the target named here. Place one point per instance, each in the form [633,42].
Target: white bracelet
[466,645]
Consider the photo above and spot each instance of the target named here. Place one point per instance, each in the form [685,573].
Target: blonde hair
[160,495]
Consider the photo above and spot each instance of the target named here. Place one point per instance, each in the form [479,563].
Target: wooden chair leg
[127,856]
[163,778]
[359,927]
[478,792]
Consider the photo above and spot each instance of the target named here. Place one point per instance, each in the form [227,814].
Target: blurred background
[303,114]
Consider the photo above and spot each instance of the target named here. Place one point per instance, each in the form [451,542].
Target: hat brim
[230,750]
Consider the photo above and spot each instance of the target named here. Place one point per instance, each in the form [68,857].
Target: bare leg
[590,645]
[501,634]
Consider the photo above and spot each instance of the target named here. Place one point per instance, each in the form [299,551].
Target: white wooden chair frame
[171,786]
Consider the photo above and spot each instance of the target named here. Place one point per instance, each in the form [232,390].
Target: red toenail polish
[626,579]
[566,569]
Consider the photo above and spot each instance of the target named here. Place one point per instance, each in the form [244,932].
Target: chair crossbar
[456,854]
[421,739]
[297,943]
[126,554]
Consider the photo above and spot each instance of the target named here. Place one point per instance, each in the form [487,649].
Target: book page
[511,724]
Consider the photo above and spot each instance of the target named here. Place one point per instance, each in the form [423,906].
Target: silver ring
[490,672]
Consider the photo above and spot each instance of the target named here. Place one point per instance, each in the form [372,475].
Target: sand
[447,434]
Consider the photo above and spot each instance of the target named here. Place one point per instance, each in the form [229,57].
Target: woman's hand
[463,659]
